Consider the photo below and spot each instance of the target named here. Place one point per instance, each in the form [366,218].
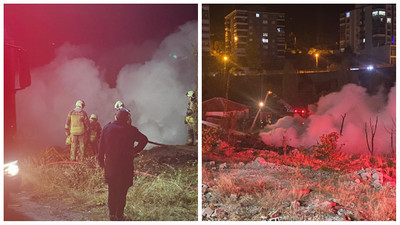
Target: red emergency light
[295,111]
[303,111]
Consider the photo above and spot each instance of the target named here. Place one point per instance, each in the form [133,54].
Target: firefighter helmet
[80,104]
[93,117]
[190,94]
[118,105]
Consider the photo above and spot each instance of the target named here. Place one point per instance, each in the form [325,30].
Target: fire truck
[276,108]
[16,77]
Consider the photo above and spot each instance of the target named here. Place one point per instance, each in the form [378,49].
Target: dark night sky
[309,22]
[41,28]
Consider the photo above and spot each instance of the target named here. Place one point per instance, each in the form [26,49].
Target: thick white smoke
[154,91]
[359,108]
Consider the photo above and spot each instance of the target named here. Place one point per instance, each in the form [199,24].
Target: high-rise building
[255,39]
[370,31]
[206,29]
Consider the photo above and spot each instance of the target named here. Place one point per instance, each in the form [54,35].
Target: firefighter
[116,155]
[77,127]
[191,118]
[94,132]
[119,105]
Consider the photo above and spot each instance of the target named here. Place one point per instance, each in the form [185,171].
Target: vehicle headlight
[11,168]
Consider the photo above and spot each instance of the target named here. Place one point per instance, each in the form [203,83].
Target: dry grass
[313,190]
[305,191]
[168,195]
[225,186]
[319,185]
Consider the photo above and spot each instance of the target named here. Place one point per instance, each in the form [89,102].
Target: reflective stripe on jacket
[77,122]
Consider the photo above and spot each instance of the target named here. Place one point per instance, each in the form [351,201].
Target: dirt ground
[24,207]
[239,189]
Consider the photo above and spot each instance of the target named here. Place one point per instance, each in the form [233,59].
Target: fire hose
[155,143]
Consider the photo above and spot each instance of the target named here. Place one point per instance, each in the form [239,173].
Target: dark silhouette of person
[116,154]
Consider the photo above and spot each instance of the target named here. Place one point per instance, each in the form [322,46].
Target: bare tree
[373,132]
[341,127]
[392,132]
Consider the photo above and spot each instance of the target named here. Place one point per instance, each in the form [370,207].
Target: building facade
[255,40]
[370,32]
[206,29]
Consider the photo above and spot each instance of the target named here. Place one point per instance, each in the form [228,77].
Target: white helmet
[93,117]
[80,104]
[118,105]
[190,94]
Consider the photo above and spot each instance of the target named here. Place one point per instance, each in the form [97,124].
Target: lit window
[379,13]
[265,34]
[348,14]
[265,21]
[363,40]
[265,40]
[389,20]
[257,15]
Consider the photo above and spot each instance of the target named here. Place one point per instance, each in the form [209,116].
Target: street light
[316,60]
[260,104]
[225,58]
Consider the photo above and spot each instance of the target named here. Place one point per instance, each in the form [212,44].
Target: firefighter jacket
[94,131]
[191,114]
[117,151]
[77,122]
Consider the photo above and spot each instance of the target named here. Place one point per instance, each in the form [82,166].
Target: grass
[304,192]
[166,194]
[255,200]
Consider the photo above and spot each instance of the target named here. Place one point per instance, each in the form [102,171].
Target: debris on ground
[246,184]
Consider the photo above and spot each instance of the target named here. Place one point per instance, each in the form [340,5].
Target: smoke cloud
[154,91]
[359,107]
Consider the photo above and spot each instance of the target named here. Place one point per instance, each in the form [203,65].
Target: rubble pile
[302,199]
[374,177]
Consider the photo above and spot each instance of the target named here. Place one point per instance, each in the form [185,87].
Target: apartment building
[206,29]
[370,32]
[253,35]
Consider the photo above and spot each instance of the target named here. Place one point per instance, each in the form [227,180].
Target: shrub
[328,147]
[211,138]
